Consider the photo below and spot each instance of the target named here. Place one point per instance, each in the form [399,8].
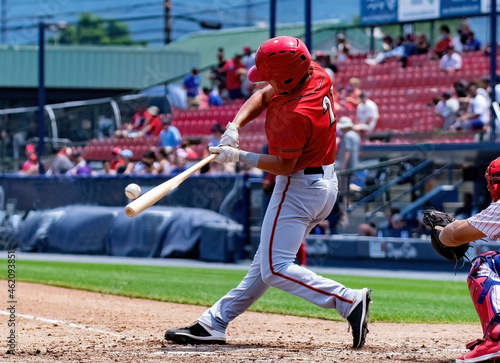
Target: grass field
[394,299]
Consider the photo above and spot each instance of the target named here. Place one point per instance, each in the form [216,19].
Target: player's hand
[231,136]
[226,154]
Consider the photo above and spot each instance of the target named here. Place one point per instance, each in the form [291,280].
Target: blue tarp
[157,232]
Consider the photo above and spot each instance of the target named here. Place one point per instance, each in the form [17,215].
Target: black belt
[313,170]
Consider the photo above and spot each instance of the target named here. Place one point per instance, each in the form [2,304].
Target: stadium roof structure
[93,67]
[232,40]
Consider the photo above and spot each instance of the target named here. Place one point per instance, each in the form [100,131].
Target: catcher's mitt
[433,218]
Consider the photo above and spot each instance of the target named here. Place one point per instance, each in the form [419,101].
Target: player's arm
[276,165]
[459,232]
[254,106]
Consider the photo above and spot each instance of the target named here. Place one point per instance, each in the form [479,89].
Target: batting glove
[226,154]
[231,136]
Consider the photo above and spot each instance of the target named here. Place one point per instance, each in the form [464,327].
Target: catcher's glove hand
[434,218]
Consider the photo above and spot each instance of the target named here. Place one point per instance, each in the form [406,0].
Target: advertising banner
[375,12]
[457,8]
[409,10]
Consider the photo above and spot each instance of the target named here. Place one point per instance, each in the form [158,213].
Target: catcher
[451,239]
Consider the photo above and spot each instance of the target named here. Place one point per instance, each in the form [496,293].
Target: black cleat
[195,334]
[358,319]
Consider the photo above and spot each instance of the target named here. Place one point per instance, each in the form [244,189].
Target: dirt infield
[57,324]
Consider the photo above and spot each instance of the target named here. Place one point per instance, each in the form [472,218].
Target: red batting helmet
[493,179]
[284,60]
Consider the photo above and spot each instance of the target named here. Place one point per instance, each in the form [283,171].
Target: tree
[93,30]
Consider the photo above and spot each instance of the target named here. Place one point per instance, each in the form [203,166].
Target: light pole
[41,88]
[41,95]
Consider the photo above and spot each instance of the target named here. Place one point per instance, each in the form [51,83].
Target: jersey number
[327,106]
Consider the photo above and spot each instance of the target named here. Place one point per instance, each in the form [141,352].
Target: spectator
[459,40]
[31,165]
[148,165]
[170,135]
[471,43]
[116,160]
[349,145]
[248,57]
[82,133]
[451,61]
[153,124]
[61,163]
[443,45]
[410,45]
[179,161]
[447,107]
[191,154]
[324,61]
[248,61]
[399,51]
[234,70]
[106,169]
[366,114]
[127,166]
[422,44]
[217,132]
[217,75]
[387,43]
[28,131]
[192,83]
[352,93]
[165,159]
[81,168]
[213,97]
[136,124]
[343,50]
[478,113]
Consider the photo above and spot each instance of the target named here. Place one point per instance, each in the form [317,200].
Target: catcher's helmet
[493,179]
[284,60]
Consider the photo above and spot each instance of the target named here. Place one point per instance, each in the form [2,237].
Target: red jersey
[156,126]
[233,78]
[303,123]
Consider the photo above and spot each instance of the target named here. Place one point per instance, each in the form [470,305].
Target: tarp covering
[157,232]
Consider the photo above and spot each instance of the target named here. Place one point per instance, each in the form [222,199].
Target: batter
[301,132]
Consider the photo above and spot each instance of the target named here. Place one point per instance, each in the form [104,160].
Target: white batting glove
[231,136]
[226,154]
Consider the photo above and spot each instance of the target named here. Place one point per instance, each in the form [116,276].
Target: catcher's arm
[458,233]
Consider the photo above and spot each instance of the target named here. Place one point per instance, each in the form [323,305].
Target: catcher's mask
[493,179]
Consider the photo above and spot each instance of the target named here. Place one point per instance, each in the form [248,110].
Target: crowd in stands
[462,105]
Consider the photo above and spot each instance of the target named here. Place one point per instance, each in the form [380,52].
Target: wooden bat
[154,195]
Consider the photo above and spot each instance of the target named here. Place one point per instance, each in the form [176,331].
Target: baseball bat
[151,197]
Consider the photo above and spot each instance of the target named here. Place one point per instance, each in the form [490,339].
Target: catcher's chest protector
[483,282]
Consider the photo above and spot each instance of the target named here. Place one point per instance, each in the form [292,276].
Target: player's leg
[211,326]
[483,282]
[297,207]
[285,224]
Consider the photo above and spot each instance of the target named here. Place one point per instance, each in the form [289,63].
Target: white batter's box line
[72,325]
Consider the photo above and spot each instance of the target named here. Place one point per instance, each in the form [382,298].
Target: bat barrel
[154,195]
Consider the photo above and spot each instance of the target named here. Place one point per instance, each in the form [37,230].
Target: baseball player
[300,128]
[483,279]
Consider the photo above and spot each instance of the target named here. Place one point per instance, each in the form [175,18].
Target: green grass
[394,300]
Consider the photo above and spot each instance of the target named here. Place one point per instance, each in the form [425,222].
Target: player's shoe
[196,333]
[358,319]
[483,351]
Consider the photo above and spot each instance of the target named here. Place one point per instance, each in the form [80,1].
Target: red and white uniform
[488,221]
[300,124]
[303,124]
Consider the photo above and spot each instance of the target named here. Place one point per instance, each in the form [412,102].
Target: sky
[22,16]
